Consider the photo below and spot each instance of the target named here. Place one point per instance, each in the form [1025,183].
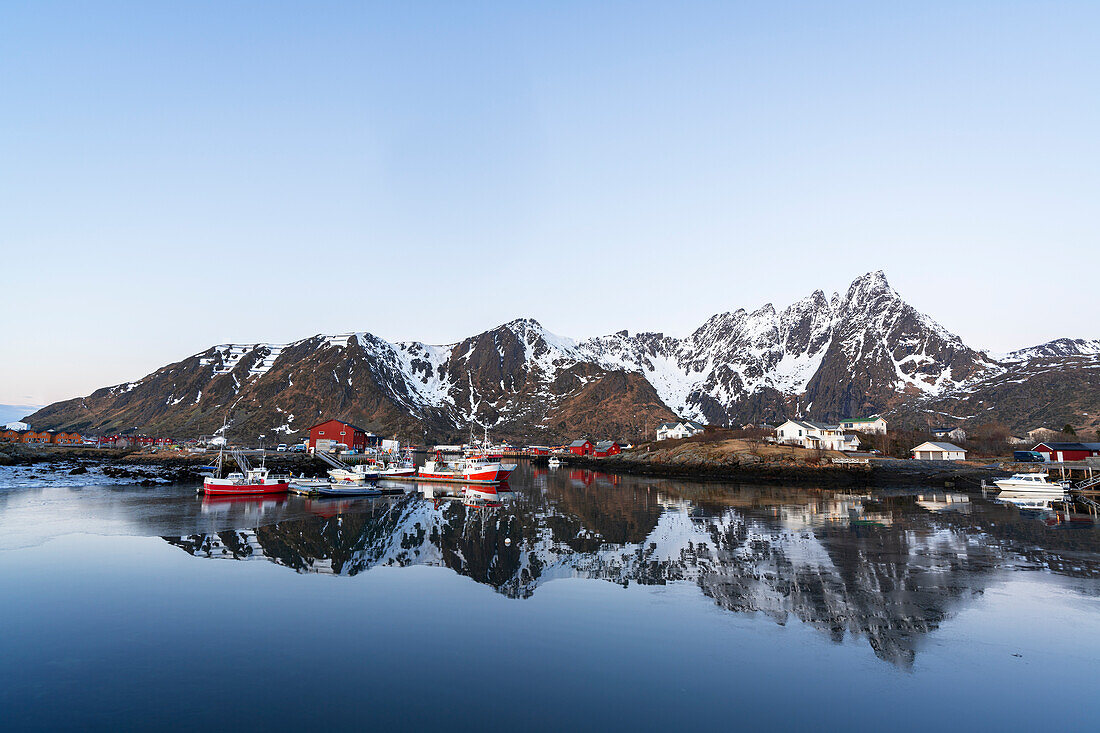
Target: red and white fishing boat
[253,481]
[248,481]
[472,469]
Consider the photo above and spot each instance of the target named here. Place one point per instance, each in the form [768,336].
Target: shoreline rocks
[876,474]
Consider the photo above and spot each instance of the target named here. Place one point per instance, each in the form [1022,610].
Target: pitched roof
[876,418]
[802,423]
[666,425]
[942,446]
[605,444]
[694,425]
[1064,446]
[578,443]
[342,422]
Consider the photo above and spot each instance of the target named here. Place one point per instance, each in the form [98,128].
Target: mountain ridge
[859,352]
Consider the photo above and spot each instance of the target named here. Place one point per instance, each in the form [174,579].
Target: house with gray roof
[933,451]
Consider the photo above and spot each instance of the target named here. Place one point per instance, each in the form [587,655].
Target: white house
[929,451]
[682,429]
[949,433]
[1040,434]
[809,434]
[864,424]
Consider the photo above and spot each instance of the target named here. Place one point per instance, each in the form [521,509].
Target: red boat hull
[214,489]
[491,476]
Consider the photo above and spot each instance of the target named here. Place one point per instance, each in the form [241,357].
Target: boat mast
[221,445]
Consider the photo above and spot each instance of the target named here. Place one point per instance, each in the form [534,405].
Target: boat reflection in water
[885,568]
[1032,500]
[247,503]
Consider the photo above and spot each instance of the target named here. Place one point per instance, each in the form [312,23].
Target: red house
[1058,452]
[580,448]
[606,448]
[340,433]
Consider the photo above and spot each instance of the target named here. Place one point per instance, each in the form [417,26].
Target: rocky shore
[142,467]
[737,461]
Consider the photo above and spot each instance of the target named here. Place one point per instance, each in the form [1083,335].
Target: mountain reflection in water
[888,569]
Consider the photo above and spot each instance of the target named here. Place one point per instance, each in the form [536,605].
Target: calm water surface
[585,602]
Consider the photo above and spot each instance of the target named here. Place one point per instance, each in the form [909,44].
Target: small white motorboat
[1032,483]
[554,462]
[348,490]
[308,485]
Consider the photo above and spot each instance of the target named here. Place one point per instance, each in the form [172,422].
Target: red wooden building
[581,448]
[1068,451]
[606,448]
[342,433]
[65,438]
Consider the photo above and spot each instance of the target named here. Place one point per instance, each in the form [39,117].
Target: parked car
[299,448]
[1028,456]
[281,448]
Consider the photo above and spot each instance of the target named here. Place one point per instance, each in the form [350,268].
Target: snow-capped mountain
[851,354]
[861,352]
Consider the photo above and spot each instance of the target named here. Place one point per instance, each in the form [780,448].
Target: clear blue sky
[175,175]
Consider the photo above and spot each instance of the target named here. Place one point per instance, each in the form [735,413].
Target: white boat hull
[1033,488]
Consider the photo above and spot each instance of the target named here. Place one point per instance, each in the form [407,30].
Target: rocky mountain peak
[861,351]
[869,291]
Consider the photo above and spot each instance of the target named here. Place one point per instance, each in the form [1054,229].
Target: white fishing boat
[554,462]
[397,468]
[1032,483]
